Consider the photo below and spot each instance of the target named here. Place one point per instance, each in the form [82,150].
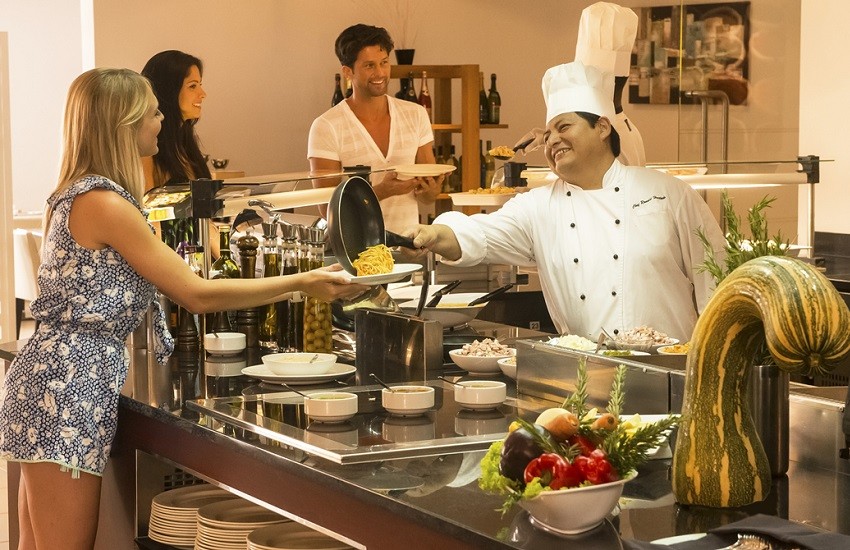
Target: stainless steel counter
[419,502]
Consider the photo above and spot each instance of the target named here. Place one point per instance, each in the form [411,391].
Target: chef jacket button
[616,189]
[575,260]
[616,331]
[582,296]
[616,256]
[613,293]
[572,224]
[617,222]
[569,193]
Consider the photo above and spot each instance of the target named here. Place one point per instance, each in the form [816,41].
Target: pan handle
[490,295]
[394,239]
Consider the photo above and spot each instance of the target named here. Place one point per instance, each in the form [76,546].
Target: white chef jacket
[617,257]
[632,152]
[339,135]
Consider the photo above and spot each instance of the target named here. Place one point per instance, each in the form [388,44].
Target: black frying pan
[355,222]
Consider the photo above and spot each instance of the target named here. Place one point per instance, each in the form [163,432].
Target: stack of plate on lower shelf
[291,536]
[226,525]
[174,513]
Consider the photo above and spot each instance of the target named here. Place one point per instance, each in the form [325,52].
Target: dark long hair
[179,158]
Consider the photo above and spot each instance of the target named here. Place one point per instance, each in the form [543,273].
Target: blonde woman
[101,268]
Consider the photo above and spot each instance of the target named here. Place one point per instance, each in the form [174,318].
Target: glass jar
[318,320]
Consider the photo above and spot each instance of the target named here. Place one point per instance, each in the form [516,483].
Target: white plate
[237,514]
[261,372]
[191,497]
[668,541]
[292,536]
[399,272]
[423,170]
[481,199]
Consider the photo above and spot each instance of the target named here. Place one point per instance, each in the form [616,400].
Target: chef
[616,247]
[606,36]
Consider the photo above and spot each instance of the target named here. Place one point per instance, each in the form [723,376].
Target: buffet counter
[427,501]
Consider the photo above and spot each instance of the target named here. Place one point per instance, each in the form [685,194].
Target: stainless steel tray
[373,434]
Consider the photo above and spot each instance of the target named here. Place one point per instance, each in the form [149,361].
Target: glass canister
[291,312]
[269,320]
[318,320]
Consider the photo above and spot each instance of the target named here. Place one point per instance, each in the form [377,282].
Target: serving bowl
[480,394]
[452,310]
[508,366]
[299,363]
[648,346]
[332,406]
[224,343]
[408,400]
[476,364]
[675,349]
[571,511]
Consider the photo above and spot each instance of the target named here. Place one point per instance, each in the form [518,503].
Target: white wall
[7,283]
[824,88]
[45,55]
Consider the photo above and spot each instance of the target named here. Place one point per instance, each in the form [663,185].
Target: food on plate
[616,352]
[375,260]
[571,446]
[502,151]
[493,191]
[644,335]
[485,348]
[573,341]
[676,348]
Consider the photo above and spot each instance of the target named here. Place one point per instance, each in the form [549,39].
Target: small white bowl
[408,400]
[480,394]
[318,433]
[476,364]
[299,363]
[571,511]
[224,343]
[332,406]
[508,366]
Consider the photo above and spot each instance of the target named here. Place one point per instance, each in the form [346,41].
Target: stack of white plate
[292,536]
[174,513]
[226,525]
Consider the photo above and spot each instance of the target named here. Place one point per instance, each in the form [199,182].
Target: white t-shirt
[339,135]
[617,257]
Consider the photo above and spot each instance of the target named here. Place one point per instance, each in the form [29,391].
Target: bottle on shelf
[494,102]
[348,88]
[292,310]
[410,95]
[247,320]
[425,95]
[483,117]
[223,268]
[337,97]
[482,162]
[318,318]
[187,330]
[489,165]
[402,92]
[455,178]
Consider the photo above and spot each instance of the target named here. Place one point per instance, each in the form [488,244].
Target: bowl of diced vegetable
[481,357]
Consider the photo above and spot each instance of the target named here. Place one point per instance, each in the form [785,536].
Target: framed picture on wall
[696,47]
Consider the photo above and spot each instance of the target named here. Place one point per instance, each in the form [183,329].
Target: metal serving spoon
[381,382]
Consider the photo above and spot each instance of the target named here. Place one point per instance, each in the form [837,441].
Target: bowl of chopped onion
[641,338]
[481,357]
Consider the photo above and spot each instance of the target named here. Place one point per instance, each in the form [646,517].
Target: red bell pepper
[554,471]
[596,468]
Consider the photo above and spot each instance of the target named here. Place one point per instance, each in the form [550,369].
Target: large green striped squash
[719,459]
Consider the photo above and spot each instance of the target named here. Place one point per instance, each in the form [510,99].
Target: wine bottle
[425,95]
[489,165]
[482,162]
[411,90]
[483,117]
[455,178]
[402,93]
[224,267]
[494,102]
[348,88]
[337,97]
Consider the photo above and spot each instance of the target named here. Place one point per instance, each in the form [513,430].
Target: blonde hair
[103,113]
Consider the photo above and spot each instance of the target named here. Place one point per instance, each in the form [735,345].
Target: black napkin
[773,528]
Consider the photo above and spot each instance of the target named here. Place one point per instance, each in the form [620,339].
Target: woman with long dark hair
[175,77]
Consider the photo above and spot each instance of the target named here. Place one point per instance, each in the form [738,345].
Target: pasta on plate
[375,260]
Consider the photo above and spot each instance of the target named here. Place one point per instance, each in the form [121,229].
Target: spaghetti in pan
[375,260]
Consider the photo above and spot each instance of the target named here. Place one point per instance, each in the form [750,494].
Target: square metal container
[397,347]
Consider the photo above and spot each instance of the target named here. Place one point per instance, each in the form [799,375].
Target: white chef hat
[574,87]
[606,35]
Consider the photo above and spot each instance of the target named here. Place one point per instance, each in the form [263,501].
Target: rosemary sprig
[627,452]
[577,402]
[618,392]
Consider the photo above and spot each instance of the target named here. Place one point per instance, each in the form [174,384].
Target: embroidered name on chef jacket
[650,199]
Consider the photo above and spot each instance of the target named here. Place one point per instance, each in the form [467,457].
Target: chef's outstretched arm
[439,239]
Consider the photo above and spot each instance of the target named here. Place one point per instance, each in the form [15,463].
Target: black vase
[405,57]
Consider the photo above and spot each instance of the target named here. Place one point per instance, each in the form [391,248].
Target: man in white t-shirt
[373,129]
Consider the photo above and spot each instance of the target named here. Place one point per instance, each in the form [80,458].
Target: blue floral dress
[60,399]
